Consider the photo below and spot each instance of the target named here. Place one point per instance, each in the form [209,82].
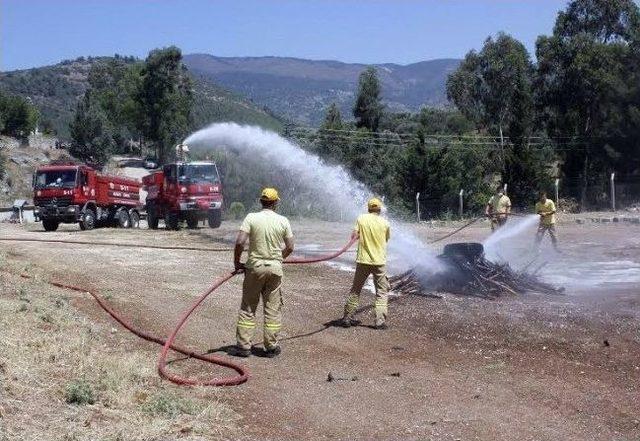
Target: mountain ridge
[301,89]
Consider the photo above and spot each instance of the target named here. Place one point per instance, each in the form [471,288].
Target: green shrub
[236,210]
[79,392]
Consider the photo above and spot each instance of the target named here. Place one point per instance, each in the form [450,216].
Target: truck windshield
[198,173]
[56,179]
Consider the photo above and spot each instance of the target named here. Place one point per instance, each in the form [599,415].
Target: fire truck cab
[76,193]
[189,191]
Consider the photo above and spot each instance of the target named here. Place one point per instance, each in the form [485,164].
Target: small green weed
[79,392]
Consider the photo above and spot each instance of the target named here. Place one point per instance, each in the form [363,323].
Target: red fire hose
[238,379]
[242,373]
[112,244]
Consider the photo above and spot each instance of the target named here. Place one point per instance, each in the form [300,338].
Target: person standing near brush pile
[373,233]
[266,232]
[498,208]
[546,209]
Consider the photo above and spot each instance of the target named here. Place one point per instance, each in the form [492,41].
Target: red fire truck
[76,193]
[189,191]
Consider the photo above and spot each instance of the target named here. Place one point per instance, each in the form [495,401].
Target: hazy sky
[40,32]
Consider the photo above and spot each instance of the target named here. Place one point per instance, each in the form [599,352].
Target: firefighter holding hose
[498,208]
[546,209]
[266,232]
[373,232]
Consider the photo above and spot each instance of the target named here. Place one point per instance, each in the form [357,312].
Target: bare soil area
[529,368]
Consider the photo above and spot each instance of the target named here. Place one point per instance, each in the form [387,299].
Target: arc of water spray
[346,193]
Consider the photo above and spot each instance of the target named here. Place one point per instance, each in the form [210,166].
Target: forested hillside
[55,91]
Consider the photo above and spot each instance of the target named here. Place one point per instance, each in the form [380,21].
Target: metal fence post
[461,203]
[418,205]
[557,185]
[613,191]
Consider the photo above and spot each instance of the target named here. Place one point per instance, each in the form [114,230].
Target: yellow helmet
[374,204]
[269,195]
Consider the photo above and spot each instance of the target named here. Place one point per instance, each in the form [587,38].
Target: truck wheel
[135,219]
[124,221]
[152,216]
[192,222]
[215,218]
[50,224]
[88,221]
[171,221]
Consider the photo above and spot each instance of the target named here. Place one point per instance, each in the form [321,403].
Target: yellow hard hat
[374,203]
[269,194]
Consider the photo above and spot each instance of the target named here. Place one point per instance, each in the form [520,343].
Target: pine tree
[332,141]
[368,108]
[166,100]
[91,139]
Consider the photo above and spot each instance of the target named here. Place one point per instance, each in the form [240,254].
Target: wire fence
[614,195]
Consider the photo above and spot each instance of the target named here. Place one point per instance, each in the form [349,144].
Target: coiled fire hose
[242,373]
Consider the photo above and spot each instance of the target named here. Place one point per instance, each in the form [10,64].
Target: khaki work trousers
[552,233]
[261,281]
[381,284]
[497,222]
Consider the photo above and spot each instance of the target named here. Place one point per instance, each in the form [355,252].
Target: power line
[568,146]
[321,131]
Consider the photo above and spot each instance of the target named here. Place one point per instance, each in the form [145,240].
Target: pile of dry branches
[478,277]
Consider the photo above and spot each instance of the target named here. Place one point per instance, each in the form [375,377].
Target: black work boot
[345,322]
[273,352]
[237,351]
[381,326]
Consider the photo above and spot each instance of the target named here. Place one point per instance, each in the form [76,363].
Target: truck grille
[62,201]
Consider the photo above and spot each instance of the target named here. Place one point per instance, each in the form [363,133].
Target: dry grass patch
[64,377]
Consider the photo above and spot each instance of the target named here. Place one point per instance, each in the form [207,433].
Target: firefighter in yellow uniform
[546,209]
[373,232]
[270,242]
[498,208]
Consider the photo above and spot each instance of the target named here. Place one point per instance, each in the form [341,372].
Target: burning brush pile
[468,272]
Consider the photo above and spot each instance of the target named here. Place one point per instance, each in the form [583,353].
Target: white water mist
[501,244]
[334,182]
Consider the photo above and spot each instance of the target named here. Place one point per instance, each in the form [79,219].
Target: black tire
[468,250]
[88,220]
[171,221]
[215,218]
[152,216]
[123,219]
[192,222]
[50,224]
[135,219]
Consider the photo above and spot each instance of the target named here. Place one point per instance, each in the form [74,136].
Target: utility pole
[504,189]
[613,191]
[418,205]
[461,203]
[557,184]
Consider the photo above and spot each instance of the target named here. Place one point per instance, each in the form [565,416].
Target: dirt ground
[529,368]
